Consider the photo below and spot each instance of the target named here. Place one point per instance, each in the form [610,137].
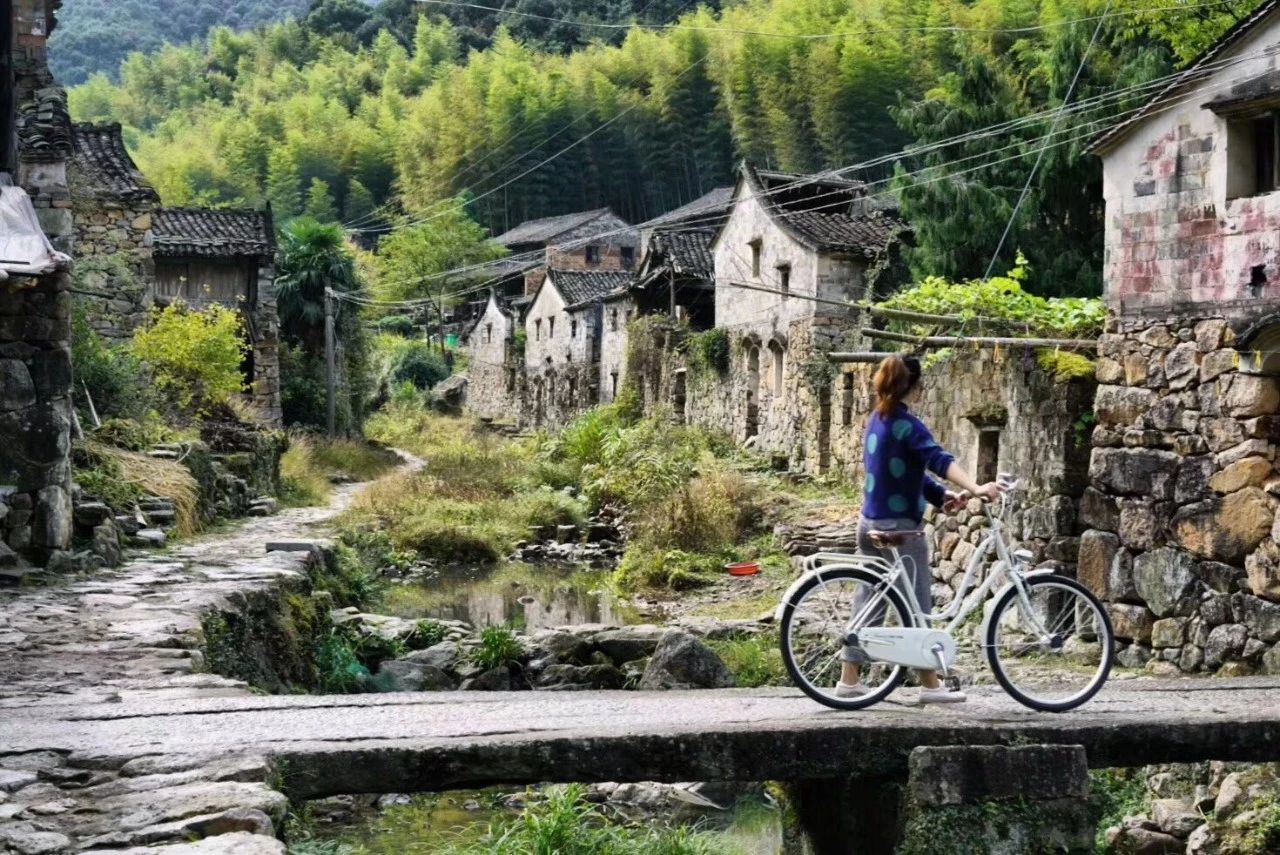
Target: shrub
[401,325]
[710,350]
[428,633]
[550,508]
[115,377]
[420,364]
[134,434]
[645,567]
[498,646]
[302,390]
[194,355]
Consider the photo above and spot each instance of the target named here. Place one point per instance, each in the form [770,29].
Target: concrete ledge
[953,775]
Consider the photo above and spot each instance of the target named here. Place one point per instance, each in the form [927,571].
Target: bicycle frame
[967,598]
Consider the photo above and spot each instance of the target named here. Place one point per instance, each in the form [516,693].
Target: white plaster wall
[551,345]
[739,308]
[613,346]
[487,374]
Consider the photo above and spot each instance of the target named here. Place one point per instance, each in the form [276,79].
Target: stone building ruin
[1181,510]
[35,306]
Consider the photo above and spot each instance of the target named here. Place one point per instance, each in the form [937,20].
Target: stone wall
[35,316]
[494,376]
[1182,506]
[264,391]
[115,267]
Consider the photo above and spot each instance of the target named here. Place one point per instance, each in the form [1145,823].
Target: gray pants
[915,557]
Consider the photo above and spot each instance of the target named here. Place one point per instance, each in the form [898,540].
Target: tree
[320,204]
[411,257]
[313,257]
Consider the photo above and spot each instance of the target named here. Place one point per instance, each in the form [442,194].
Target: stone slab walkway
[132,636]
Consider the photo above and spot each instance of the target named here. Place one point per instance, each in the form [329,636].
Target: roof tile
[212,233]
[579,287]
[101,155]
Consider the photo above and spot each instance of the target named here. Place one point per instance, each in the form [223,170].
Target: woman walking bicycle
[899,453]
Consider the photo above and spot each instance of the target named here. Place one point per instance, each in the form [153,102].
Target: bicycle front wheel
[1052,648]
[819,623]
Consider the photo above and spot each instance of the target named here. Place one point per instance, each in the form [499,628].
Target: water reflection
[526,596]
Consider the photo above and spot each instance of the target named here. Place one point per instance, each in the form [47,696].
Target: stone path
[132,636]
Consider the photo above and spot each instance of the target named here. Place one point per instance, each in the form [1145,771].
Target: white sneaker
[942,695]
[844,690]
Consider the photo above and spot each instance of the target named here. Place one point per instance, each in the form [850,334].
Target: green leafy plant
[429,632]
[498,646]
[710,350]
[754,660]
[194,355]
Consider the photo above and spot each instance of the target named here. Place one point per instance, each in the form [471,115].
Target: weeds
[1113,795]
[310,464]
[754,660]
[498,647]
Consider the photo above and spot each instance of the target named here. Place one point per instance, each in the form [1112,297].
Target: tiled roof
[864,234]
[212,233]
[44,126]
[579,287]
[687,252]
[545,230]
[100,154]
[1193,72]
[707,209]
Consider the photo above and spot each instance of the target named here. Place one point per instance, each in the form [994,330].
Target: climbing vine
[819,375]
[709,351]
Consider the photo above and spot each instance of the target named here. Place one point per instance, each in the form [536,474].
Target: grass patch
[754,660]
[1065,366]
[309,464]
[120,478]
[498,647]
[1113,795]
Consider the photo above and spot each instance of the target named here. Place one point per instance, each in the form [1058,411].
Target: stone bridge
[437,741]
[112,738]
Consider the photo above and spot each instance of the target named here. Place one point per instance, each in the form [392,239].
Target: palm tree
[314,256]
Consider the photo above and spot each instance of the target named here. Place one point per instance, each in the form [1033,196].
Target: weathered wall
[1173,235]
[615,316]
[1182,505]
[494,378]
[1182,508]
[35,316]
[115,260]
[561,360]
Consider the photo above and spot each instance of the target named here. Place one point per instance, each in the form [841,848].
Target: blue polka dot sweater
[898,451]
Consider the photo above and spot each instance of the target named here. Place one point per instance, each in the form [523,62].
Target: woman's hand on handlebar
[955,501]
[990,491]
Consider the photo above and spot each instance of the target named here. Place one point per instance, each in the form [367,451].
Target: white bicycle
[1047,638]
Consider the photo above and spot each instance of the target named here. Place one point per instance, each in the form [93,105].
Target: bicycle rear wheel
[1051,651]
[820,618]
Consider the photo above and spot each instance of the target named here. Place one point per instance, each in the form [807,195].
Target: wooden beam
[981,341]
[855,356]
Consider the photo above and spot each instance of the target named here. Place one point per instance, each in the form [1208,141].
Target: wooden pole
[981,341]
[330,365]
[856,356]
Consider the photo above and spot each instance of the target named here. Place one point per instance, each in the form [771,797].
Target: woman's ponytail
[894,378]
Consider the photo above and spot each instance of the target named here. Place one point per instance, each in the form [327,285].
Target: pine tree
[320,205]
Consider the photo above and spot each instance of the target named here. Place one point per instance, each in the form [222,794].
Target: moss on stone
[1030,828]
[1065,366]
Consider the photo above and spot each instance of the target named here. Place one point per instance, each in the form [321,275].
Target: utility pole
[330,364]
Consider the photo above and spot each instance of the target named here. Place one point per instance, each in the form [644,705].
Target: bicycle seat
[881,539]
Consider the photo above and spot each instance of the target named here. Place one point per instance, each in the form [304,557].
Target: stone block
[1109,371]
[1122,406]
[1215,609]
[1226,529]
[17,390]
[1168,632]
[1221,433]
[957,775]
[1131,623]
[1251,395]
[1263,569]
[1181,365]
[1240,451]
[1209,334]
[1099,511]
[1165,578]
[1136,370]
[1097,552]
[1135,471]
[1141,525]
[1247,472]
[1224,642]
[1217,363]
[1192,483]
[1261,617]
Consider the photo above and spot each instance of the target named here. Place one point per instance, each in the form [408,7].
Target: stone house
[35,307]
[113,207]
[562,348]
[205,256]
[1181,509]
[587,240]
[495,374]
[792,255]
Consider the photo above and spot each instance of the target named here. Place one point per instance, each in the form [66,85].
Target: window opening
[593,254]
[846,400]
[628,256]
[755,257]
[988,455]
[784,279]
[537,330]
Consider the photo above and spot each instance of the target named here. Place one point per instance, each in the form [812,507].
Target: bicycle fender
[995,598]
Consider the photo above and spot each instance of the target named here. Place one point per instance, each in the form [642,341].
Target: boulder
[1224,641]
[1249,472]
[628,643]
[152,538]
[1226,529]
[494,680]
[400,675]
[681,661]
[560,645]
[1137,837]
[1168,632]
[573,677]
[442,656]
[1165,579]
